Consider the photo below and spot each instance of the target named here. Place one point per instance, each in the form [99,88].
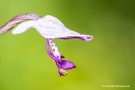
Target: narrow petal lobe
[21,28]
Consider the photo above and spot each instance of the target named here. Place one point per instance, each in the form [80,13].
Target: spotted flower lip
[61,64]
[50,27]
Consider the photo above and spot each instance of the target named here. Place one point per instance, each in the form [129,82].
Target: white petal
[51,27]
[24,27]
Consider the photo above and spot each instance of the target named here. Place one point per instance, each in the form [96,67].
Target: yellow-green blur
[109,59]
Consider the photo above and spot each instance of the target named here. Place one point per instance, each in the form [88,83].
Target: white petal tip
[17,31]
[13,32]
[21,28]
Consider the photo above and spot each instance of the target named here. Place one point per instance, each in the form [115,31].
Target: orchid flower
[50,28]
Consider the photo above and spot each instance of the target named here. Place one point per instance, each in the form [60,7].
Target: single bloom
[50,28]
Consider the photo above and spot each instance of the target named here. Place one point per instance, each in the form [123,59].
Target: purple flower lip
[62,65]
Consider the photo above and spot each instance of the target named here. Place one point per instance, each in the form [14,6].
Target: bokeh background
[109,59]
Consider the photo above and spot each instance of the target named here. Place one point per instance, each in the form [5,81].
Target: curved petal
[51,27]
[24,26]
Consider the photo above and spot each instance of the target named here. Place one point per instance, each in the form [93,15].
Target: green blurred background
[106,60]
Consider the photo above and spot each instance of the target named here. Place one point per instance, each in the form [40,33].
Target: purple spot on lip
[53,49]
[57,56]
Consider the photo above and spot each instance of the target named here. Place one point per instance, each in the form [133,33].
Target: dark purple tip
[62,56]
